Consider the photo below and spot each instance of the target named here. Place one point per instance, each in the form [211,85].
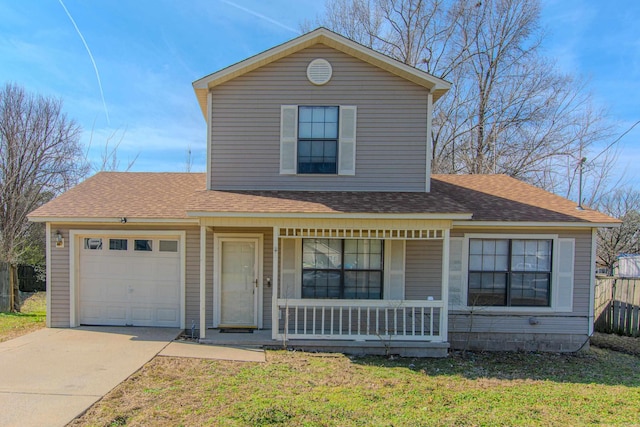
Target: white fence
[404,320]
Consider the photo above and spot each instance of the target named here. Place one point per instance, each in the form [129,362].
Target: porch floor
[262,339]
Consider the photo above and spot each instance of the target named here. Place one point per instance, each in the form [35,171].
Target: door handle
[256,283]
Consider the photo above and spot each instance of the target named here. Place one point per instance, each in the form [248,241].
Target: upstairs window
[318,140]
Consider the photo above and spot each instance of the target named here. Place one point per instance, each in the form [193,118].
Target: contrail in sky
[259,15]
[95,67]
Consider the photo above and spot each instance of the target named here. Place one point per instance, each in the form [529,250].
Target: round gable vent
[319,71]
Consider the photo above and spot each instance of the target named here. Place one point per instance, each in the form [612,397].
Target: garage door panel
[127,287]
[167,315]
[142,315]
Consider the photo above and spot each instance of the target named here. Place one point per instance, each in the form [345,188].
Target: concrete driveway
[50,376]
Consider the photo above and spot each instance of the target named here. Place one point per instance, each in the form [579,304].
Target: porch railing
[402,320]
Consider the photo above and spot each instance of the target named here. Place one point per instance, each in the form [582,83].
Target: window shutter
[456,282]
[288,139]
[291,265]
[394,269]
[347,141]
[563,289]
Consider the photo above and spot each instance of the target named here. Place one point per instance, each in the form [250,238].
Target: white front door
[239,279]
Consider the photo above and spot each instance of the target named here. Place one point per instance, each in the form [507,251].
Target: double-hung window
[318,140]
[510,272]
[342,268]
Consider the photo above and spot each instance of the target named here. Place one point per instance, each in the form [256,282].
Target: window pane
[318,114]
[93,243]
[487,289]
[502,247]
[304,115]
[118,244]
[475,247]
[331,130]
[168,246]
[317,130]
[475,262]
[304,131]
[142,245]
[530,289]
[331,115]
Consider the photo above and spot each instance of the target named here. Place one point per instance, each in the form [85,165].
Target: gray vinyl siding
[59,286]
[576,322]
[391,138]
[192,277]
[60,262]
[423,269]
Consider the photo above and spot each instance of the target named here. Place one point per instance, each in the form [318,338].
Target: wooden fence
[5,291]
[617,306]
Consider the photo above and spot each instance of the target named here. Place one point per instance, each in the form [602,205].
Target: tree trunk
[14,288]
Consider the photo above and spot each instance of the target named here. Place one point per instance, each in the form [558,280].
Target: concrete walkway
[50,376]
[214,352]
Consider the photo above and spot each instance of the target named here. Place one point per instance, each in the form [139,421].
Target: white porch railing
[402,320]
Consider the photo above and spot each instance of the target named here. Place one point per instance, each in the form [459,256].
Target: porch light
[59,240]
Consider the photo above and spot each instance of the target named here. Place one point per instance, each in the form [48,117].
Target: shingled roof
[183,195]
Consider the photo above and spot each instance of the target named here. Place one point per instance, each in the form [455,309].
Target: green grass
[31,317]
[304,389]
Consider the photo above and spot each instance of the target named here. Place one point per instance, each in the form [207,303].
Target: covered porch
[410,315]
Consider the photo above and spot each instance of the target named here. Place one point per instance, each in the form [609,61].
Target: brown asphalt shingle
[173,195]
[126,194]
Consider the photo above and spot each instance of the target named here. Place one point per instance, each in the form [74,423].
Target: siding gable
[391,126]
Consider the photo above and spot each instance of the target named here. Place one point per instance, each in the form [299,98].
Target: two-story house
[319,223]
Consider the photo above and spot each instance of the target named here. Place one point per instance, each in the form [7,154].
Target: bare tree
[40,156]
[109,160]
[509,110]
[624,204]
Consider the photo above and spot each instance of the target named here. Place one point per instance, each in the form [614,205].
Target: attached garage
[129,279]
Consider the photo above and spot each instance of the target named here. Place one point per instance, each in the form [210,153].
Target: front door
[238,275]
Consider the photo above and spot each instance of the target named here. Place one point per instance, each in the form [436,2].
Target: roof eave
[320,215]
[534,224]
[437,86]
[111,220]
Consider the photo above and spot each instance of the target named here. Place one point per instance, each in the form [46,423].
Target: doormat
[236,331]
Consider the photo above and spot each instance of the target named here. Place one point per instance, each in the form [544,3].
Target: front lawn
[306,389]
[32,316]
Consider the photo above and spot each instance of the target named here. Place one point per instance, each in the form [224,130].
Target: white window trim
[342,139]
[509,309]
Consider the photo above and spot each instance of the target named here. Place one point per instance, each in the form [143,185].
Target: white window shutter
[291,268]
[456,282]
[347,141]
[288,139]
[563,289]
[394,269]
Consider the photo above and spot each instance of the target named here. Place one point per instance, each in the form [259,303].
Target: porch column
[203,281]
[275,322]
[444,322]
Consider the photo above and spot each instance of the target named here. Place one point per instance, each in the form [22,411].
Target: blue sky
[147,54]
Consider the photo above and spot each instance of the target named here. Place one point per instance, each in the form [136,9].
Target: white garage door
[129,281]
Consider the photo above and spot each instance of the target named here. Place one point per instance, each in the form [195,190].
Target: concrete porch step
[262,339]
